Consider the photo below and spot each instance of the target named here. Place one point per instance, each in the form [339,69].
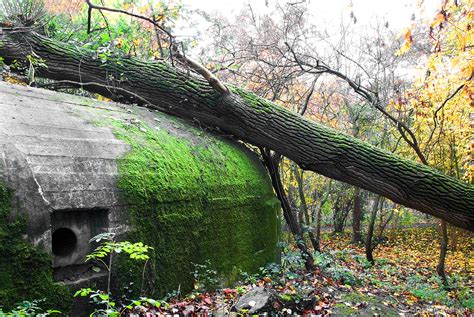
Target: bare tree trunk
[300,184]
[346,208]
[292,199]
[316,242]
[317,238]
[356,217]
[385,223]
[272,162]
[370,231]
[304,207]
[454,238]
[338,215]
[443,232]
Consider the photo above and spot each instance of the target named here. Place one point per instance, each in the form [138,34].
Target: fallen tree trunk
[251,119]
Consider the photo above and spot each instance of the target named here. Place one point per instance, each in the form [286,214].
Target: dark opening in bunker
[71,231]
[64,241]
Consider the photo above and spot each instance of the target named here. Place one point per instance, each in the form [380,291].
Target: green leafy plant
[104,254]
[328,262]
[271,270]
[292,260]
[148,302]
[362,260]
[342,274]
[99,298]
[35,62]
[205,278]
[29,308]
[247,278]
[322,260]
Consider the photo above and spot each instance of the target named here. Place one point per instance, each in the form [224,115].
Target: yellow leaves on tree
[440,18]
[442,96]
[406,44]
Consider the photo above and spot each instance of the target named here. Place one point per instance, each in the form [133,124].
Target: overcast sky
[397,12]
[325,14]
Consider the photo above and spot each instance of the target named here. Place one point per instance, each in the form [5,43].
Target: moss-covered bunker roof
[70,144]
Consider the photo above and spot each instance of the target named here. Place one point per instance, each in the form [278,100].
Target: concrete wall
[56,160]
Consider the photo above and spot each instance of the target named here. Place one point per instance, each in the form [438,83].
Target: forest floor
[403,282]
[404,279]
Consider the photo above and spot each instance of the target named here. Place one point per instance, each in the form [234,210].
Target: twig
[304,106]
[139,16]
[435,115]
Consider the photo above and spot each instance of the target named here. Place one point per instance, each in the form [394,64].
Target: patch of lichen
[25,271]
[193,200]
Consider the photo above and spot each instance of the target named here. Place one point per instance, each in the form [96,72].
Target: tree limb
[254,120]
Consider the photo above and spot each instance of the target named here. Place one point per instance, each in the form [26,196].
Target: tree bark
[272,162]
[370,232]
[316,239]
[303,205]
[338,216]
[252,119]
[304,208]
[443,230]
[356,217]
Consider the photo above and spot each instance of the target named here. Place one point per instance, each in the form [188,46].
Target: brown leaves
[404,277]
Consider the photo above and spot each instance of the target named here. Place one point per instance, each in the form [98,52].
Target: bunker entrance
[71,231]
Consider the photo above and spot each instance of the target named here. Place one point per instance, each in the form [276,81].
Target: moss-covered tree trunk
[252,119]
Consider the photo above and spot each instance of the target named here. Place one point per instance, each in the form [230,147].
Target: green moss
[195,200]
[374,303]
[257,103]
[343,310]
[25,271]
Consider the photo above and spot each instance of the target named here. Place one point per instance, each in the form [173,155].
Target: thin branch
[304,106]
[139,16]
[366,94]
[435,115]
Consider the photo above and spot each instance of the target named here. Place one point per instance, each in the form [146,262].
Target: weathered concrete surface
[55,159]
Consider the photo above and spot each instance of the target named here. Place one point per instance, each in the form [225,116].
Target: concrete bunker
[77,167]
